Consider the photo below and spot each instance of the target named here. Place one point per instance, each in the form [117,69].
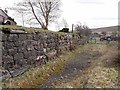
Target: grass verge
[101,74]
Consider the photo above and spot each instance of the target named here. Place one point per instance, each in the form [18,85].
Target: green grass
[27,29]
[31,29]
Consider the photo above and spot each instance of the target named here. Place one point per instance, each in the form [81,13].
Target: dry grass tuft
[101,74]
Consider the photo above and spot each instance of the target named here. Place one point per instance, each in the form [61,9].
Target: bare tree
[43,11]
[19,12]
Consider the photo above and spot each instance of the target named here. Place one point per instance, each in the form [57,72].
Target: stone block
[18,43]
[33,58]
[12,52]
[8,65]
[30,47]
[9,45]
[38,48]
[22,37]
[21,49]
[18,56]
[4,37]
[35,43]
[34,53]
[29,42]
[20,62]
[30,53]
[35,37]
[39,53]
[12,37]
[7,58]
[27,54]
[4,51]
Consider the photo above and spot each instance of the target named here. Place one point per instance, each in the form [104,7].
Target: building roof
[2,13]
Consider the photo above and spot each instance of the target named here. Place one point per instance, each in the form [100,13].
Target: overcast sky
[93,13]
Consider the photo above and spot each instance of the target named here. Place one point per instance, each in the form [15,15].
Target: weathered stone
[19,72]
[18,56]
[32,58]
[35,37]
[34,53]
[7,58]
[22,37]
[12,52]
[7,62]
[4,74]
[0,55]
[18,43]
[29,42]
[30,53]
[44,50]
[30,48]
[4,37]
[4,44]
[40,53]
[15,37]
[4,51]
[27,54]
[9,45]
[21,49]
[29,36]
[38,48]
[20,62]
[35,43]
[48,49]
[8,65]
[10,38]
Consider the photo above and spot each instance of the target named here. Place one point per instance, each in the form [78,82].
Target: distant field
[106,29]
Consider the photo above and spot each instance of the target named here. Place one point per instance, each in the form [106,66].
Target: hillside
[106,29]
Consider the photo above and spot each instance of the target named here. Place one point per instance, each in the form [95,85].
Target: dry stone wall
[20,51]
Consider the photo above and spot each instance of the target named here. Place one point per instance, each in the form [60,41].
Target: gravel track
[72,68]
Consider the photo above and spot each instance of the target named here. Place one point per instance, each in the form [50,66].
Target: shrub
[64,30]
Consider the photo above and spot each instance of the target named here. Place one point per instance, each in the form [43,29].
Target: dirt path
[75,65]
[102,73]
